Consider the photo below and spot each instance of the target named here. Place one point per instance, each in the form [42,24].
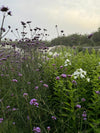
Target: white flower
[67,62]
[50,53]
[88,79]
[82,76]
[79,73]
[67,54]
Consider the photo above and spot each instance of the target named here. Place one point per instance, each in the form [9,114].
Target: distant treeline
[77,40]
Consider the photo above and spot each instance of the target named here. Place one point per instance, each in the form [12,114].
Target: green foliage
[39,75]
[78,40]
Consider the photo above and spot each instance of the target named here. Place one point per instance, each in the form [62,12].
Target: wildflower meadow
[46,90]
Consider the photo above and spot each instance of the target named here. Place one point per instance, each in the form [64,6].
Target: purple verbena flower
[9,13]
[8,107]
[36,104]
[89,36]
[84,119]
[14,109]
[61,66]
[4,9]
[63,75]
[53,117]
[1,119]
[97,92]
[33,101]
[20,74]
[36,87]
[14,80]
[13,123]
[57,77]
[37,129]
[45,85]
[83,99]
[74,82]
[84,115]
[78,106]
[25,94]
[48,128]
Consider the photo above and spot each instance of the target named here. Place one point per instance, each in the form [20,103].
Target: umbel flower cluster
[79,73]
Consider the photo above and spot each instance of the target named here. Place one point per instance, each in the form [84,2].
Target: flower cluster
[45,85]
[67,62]
[34,102]
[79,73]
[53,117]
[78,106]
[14,80]
[63,75]
[37,130]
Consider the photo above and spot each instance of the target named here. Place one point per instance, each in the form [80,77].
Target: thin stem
[2,26]
[5,33]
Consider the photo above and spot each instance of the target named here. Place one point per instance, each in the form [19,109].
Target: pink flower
[57,78]
[20,74]
[63,75]
[48,128]
[1,119]
[36,87]
[33,101]
[25,94]
[14,80]
[37,129]
[36,104]
[61,66]
[8,107]
[45,85]
[83,99]
[78,106]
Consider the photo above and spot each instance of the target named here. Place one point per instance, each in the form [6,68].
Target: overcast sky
[72,16]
